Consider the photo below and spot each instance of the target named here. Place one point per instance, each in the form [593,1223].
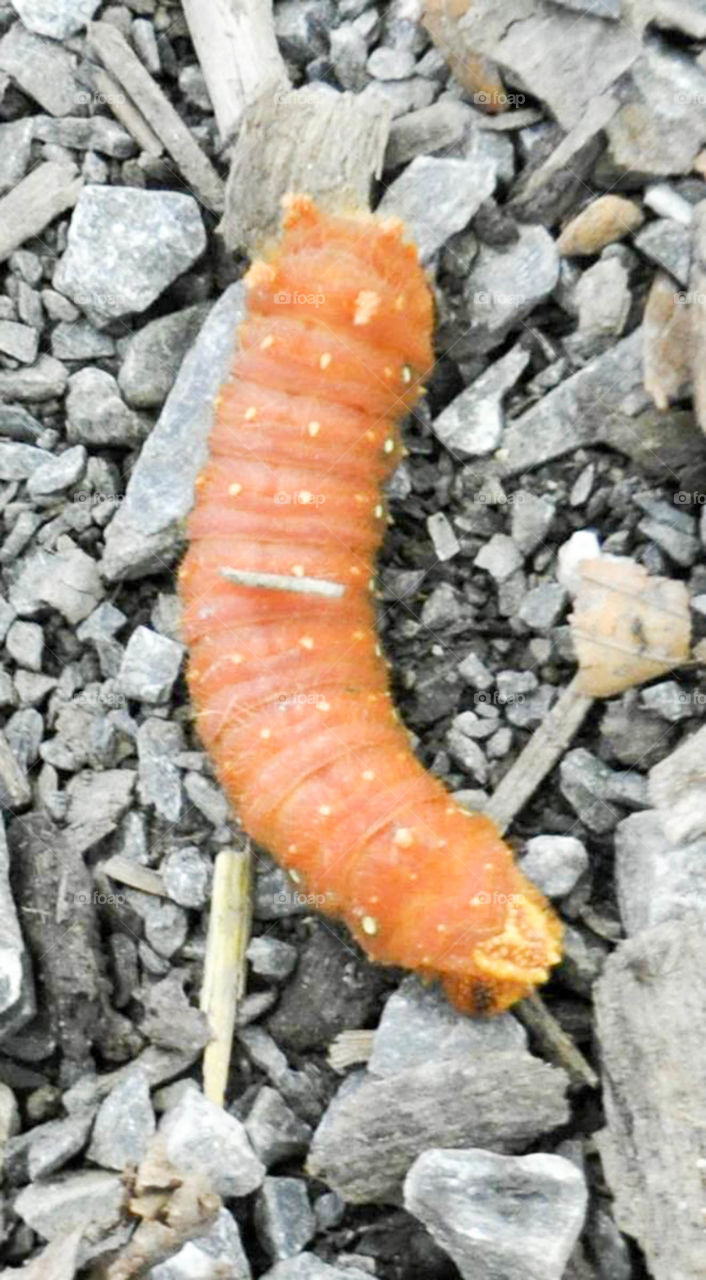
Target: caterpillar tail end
[507,967]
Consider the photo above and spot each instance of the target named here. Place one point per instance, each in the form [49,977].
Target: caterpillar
[289,686]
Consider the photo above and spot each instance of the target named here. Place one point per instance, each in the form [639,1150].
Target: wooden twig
[236,46]
[224,968]
[282,582]
[115,53]
[127,871]
[35,202]
[350,1048]
[554,1041]
[538,758]
[329,146]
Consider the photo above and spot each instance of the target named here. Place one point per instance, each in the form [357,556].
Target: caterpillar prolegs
[290,688]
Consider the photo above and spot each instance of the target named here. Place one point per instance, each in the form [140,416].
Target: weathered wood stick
[35,202]
[236,46]
[224,968]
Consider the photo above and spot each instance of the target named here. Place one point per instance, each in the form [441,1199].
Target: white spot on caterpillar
[355,571]
[369,925]
[250,413]
[325,360]
[388,371]
[399,302]
[267,342]
[403,837]
[314,429]
[406,374]
[324,810]
[378,511]
[306,642]
[305,496]
[234,489]
[294,875]
[236,658]
[322,706]
[368,775]
[389,445]
[367,304]
[265,733]
[359,497]
[298,570]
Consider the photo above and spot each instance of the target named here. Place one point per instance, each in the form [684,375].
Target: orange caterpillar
[290,687]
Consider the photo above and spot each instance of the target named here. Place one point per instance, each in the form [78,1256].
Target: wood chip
[119,59]
[236,46]
[225,966]
[651,1011]
[127,871]
[329,146]
[39,198]
[666,341]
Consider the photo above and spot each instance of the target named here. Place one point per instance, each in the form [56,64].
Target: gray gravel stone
[307,1266]
[435,128]
[669,700]
[43,1149]
[208,798]
[435,198]
[17,424]
[555,863]
[124,1125]
[576,412]
[71,584]
[219,1254]
[43,70]
[271,958]
[96,803]
[125,246]
[15,151]
[474,672]
[44,380]
[593,790]
[17,1005]
[499,557]
[542,607]
[187,876]
[58,474]
[465,751]
[283,1217]
[275,1132]
[518,1217]
[505,285]
[660,128]
[391,64]
[97,133]
[55,18]
[97,413]
[153,355]
[603,299]
[25,643]
[201,1137]
[18,341]
[678,790]
[418,1024]
[150,666]
[349,54]
[446,544]
[656,880]
[15,791]
[146,530]
[599,8]
[79,340]
[472,424]
[159,779]
[94,1200]
[668,243]
[532,518]
[19,461]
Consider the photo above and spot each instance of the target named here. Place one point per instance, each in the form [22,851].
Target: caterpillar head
[506,967]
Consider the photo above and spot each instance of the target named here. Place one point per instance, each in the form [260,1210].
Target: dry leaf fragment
[627,627]
[666,341]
